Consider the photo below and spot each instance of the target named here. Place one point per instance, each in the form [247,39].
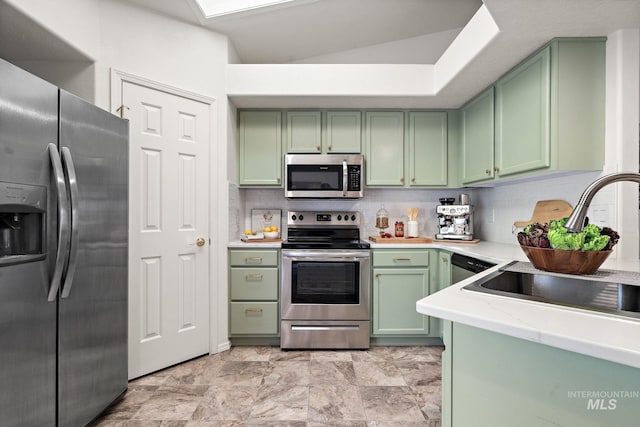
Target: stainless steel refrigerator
[63,254]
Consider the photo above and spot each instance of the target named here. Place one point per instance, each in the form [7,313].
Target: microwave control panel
[354,174]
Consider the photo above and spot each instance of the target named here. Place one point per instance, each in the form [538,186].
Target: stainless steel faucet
[575,223]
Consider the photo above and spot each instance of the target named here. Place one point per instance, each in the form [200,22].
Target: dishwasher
[463,267]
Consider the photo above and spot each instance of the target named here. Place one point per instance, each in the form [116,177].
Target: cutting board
[261,240]
[378,239]
[545,211]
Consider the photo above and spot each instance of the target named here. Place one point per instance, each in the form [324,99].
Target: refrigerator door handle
[70,170]
[63,222]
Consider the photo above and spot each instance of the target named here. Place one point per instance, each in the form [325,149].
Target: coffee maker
[455,222]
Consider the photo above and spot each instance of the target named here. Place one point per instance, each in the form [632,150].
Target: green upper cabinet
[384,148]
[548,116]
[260,148]
[343,132]
[304,131]
[323,131]
[522,117]
[410,154]
[427,148]
[477,138]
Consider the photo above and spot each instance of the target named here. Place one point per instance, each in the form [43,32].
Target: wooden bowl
[568,262]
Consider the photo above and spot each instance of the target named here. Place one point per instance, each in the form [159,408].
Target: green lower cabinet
[500,381]
[254,281]
[395,292]
[444,270]
[253,318]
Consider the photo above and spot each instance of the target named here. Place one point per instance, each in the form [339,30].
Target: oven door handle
[315,256]
[325,327]
[325,259]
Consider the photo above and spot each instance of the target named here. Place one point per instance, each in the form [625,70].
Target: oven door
[329,284]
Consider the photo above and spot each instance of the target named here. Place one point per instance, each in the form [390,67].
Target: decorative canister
[399,229]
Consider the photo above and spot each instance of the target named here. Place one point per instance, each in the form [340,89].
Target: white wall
[75,77]
[622,119]
[158,48]
[74,21]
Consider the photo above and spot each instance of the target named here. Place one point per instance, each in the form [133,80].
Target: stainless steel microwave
[328,176]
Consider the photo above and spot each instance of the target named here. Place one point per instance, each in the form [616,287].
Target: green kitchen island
[510,362]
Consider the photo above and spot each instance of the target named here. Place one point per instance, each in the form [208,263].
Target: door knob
[200,241]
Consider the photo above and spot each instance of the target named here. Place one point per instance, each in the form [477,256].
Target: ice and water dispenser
[22,223]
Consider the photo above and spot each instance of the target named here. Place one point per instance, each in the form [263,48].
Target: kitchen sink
[579,292]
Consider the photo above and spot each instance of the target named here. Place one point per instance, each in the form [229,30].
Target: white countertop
[599,335]
[239,244]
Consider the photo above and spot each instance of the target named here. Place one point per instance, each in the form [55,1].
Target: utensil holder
[412,229]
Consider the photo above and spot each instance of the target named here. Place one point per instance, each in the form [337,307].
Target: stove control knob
[300,217]
[339,217]
[353,217]
[346,217]
[293,217]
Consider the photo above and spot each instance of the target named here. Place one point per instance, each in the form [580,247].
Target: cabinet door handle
[444,260]
[401,259]
[402,180]
[487,171]
[253,277]
[253,311]
[278,180]
[330,147]
[317,148]
[253,260]
[496,169]
[413,179]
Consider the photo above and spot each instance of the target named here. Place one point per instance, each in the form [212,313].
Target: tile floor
[264,386]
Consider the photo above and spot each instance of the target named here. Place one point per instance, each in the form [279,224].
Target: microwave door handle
[64,222]
[345,178]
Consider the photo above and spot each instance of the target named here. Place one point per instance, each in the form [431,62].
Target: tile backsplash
[496,208]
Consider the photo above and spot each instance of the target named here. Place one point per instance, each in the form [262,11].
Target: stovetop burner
[324,230]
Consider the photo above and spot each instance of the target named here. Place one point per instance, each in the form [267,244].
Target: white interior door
[168,228]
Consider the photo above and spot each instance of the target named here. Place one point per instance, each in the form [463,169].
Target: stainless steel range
[326,291]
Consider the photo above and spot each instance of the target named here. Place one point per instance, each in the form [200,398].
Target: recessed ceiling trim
[211,9]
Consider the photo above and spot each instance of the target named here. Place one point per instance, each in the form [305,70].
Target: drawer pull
[250,311]
[253,277]
[253,260]
[401,259]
